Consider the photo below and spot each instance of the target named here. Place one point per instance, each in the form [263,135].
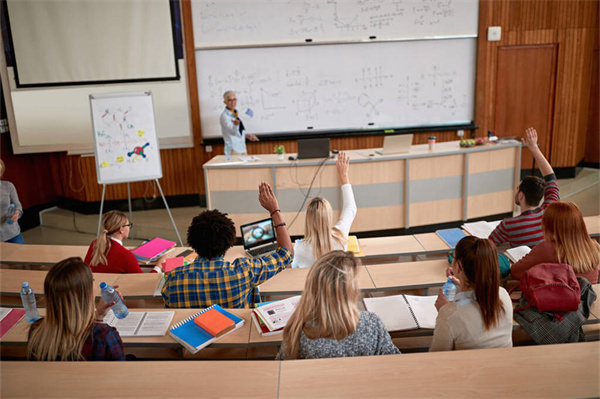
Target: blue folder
[451,236]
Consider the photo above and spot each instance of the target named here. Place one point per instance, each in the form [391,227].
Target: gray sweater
[370,338]
[8,195]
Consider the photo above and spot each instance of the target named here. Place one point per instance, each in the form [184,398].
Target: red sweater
[118,260]
[545,252]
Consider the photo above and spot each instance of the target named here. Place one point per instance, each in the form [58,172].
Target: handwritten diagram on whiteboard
[125,139]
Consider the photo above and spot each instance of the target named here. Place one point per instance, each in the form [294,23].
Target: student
[212,280]
[232,127]
[327,322]
[72,329]
[9,227]
[107,254]
[320,236]
[566,241]
[481,314]
[526,229]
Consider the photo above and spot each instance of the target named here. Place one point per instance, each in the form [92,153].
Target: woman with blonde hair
[566,240]
[481,314]
[72,329]
[107,254]
[10,231]
[327,322]
[320,235]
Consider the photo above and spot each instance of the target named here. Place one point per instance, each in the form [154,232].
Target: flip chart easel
[125,143]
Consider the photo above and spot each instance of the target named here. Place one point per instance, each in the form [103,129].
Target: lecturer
[232,127]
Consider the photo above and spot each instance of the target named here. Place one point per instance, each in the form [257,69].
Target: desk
[392,191]
[157,379]
[391,246]
[413,275]
[568,370]
[44,254]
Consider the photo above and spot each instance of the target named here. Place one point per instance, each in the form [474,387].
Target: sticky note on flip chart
[104,164]
[120,159]
[140,133]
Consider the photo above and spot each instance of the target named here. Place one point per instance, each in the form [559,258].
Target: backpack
[551,287]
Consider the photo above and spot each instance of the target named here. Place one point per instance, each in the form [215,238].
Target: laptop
[259,237]
[313,148]
[396,144]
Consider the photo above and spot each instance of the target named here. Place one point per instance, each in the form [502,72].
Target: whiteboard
[248,22]
[125,140]
[340,87]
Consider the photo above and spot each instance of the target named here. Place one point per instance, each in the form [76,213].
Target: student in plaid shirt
[212,280]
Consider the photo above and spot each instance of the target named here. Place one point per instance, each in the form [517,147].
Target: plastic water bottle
[29,304]
[449,289]
[227,151]
[109,295]
[12,209]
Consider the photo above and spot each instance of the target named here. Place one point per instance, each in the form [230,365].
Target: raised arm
[530,141]
[267,200]
[343,165]
[348,203]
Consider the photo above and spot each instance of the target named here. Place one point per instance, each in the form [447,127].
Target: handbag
[550,287]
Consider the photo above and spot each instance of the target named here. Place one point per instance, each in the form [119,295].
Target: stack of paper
[274,315]
[152,250]
[480,229]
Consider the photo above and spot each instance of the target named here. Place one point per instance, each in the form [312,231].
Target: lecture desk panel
[392,191]
[156,379]
[568,370]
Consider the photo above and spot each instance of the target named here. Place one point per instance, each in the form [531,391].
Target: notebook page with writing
[424,309]
[141,324]
[393,311]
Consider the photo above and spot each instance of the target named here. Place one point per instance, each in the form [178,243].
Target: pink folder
[10,320]
[153,247]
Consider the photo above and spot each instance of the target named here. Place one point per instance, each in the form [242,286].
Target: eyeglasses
[231,99]
[128,225]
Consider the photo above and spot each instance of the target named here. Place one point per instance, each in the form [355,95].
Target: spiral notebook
[193,337]
[404,312]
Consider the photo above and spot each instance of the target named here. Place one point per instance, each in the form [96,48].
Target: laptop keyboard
[262,250]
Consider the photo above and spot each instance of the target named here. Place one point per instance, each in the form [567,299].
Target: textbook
[194,337]
[480,229]
[141,324]
[9,318]
[214,322]
[260,325]
[451,236]
[276,314]
[404,312]
[517,253]
[153,249]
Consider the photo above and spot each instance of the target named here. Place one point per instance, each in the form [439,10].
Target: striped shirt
[526,229]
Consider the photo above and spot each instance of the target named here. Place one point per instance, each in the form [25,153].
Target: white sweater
[303,252]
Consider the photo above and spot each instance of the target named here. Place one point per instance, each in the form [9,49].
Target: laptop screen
[313,148]
[258,233]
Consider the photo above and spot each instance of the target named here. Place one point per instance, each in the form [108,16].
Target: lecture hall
[285,199]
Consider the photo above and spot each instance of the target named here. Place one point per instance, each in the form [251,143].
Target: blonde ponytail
[111,223]
[318,228]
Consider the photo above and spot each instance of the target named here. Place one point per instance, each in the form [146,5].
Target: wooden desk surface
[593,225]
[409,275]
[567,370]
[390,245]
[138,285]
[44,254]
[158,379]
[431,242]
[291,281]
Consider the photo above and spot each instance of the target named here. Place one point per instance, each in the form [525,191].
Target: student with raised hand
[526,229]
[566,241]
[73,328]
[481,314]
[211,279]
[320,235]
[327,322]
[107,254]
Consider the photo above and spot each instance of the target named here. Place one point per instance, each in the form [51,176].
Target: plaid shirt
[230,285]
[104,344]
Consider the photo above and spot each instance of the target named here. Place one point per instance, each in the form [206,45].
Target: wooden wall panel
[592,148]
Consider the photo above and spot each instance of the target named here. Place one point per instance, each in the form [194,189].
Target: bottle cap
[25,284]
[102,285]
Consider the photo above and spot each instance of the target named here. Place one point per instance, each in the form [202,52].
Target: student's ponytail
[111,223]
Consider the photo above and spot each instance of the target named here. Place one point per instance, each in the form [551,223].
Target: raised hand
[267,198]
[530,139]
[343,165]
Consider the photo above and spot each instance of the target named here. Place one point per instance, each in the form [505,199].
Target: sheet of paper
[515,254]
[480,229]
[143,324]
[424,309]
[393,312]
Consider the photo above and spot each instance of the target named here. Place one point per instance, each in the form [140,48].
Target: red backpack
[551,287]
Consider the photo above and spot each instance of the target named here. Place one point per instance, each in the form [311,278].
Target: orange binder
[214,322]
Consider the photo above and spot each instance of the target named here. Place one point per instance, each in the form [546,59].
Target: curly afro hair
[211,234]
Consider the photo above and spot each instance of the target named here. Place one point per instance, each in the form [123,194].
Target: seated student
[567,241]
[327,322]
[481,314]
[72,328]
[212,280]
[107,254]
[526,229]
[320,236]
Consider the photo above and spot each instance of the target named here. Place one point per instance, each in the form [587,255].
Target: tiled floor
[60,226]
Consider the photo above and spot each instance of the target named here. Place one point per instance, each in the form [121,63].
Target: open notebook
[404,312]
[141,324]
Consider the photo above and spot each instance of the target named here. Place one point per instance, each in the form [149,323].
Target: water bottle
[29,304]
[449,289]
[11,212]
[227,151]
[109,295]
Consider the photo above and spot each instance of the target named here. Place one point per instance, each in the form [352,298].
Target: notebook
[193,337]
[313,148]
[276,314]
[141,324]
[214,322]
[517,253]
[260,325]
[153,249]
[9,318]
[451,236]
[404,312]
[259,237]
[480,229]
[396,144]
